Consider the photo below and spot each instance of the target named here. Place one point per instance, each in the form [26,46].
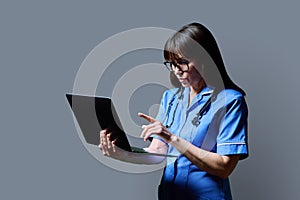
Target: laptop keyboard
[138,150]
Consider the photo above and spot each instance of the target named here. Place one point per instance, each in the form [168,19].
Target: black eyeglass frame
[177,65]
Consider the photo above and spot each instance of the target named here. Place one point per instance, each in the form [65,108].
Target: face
[190,78]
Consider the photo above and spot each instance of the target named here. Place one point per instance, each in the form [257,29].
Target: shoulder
[231,94]
[230,98]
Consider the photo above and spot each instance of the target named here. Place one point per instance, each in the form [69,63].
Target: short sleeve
[232,137]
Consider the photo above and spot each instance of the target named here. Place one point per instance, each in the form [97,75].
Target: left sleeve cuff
[233,148]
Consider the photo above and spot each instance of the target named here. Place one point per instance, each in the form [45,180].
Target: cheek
[195,76]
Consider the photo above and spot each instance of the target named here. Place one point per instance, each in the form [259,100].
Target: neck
[197,88]
[194,90]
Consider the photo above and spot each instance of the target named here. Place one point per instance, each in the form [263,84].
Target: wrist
[173,139]
[180,144]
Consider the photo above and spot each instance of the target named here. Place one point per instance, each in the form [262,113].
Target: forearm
[138,158]
[210,162]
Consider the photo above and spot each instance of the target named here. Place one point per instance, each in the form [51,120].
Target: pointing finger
[146,117]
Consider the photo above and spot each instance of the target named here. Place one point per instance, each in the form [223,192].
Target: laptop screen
[94,114]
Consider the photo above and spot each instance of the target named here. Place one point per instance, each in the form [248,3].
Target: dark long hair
[195,42]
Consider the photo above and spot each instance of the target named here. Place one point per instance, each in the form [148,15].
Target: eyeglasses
[182,65]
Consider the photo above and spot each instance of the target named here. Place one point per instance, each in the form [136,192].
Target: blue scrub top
[222,129]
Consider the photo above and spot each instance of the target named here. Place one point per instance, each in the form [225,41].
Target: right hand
[155,127]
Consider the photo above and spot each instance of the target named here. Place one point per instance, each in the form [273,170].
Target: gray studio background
[42,45]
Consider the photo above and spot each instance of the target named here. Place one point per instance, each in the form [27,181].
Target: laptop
[94,114]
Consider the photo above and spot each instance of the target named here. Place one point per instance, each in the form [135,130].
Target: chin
[185,85]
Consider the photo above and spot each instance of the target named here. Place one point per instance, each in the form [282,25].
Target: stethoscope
[196,120]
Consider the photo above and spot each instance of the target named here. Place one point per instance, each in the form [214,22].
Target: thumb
[147,117]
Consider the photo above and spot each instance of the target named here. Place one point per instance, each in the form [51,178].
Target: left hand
[108,147]
[155,127]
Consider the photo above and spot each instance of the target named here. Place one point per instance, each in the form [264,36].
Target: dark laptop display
[94,114]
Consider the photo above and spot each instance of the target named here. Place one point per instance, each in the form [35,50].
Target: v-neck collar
[207,91]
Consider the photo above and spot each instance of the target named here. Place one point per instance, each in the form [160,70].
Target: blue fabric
[222,129]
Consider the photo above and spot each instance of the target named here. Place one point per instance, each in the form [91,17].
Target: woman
[203,121]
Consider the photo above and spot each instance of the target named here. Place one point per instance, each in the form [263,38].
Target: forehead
[174,56]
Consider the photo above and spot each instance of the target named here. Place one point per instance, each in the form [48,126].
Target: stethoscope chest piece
[196,121]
